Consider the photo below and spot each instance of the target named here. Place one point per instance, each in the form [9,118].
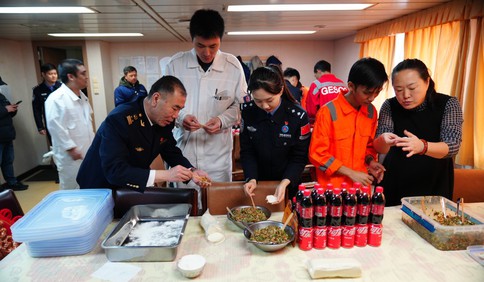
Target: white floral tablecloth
[403,256]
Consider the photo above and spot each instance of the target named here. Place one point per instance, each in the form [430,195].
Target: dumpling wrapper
[271,199]
[334,267]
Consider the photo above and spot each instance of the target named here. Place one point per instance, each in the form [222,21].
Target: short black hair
[47,67]
[290,72]
[207,24]
[166,85]
[69,66]
[368,72]
[129,69]
[322,66]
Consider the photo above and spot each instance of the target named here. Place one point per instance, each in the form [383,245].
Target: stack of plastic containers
[65,222]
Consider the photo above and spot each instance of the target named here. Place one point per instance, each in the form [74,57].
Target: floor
[36,192]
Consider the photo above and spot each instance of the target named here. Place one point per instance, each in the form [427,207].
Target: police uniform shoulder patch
[297,111]
[247,106]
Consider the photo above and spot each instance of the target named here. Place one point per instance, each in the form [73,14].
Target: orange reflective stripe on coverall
[342,135]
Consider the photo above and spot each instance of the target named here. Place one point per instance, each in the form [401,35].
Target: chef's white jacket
[69,122]
[214,93]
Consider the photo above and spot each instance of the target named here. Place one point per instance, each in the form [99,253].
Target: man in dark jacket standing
[7,135]
[40,93]
[129,87]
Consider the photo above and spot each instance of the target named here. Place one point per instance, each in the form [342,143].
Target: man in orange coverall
[342,141]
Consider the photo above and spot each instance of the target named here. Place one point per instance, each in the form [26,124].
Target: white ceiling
[167,20]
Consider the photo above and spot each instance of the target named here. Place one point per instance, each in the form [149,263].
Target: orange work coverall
[341,136]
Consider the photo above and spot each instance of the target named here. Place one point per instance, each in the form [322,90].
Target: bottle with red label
[362,212]
[319,223]
[349,218]
[299,197]
[357,186]
[375,227]
[328,193]
[314,192]
[306,223]
[336,211]
[344,190]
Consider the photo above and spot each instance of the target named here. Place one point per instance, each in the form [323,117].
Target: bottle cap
[301,187]
[307,193]
[379,189]
[352,190]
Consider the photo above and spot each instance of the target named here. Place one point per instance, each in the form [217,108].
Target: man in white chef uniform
[68,116]
[215,85]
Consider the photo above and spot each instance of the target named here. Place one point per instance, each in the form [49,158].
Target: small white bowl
[191,265]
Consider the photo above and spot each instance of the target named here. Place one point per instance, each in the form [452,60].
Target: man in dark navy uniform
[132,136]
[40,93]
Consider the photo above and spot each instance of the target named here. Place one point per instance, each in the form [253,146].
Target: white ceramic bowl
[191,266]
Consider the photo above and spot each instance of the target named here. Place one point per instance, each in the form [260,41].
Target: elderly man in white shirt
[68,116]
[215,86]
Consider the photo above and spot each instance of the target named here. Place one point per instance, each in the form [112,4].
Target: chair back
[8,200]
[231,194]
[124,199]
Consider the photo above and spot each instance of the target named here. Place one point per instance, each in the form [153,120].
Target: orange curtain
[456,10]
[437,47]
[383,50]
[469,88]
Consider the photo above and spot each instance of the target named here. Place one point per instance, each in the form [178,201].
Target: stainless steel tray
[114,246]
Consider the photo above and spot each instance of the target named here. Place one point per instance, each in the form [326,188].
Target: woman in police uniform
[275,134]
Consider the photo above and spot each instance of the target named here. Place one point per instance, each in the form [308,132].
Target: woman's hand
[249,187]
[390,138]
[280,192]
[411,144]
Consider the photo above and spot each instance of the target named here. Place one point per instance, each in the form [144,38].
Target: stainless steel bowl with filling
[266,212]
[269,247]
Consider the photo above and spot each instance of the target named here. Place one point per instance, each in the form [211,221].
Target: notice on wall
[139,63]
[123,62]
[152,64]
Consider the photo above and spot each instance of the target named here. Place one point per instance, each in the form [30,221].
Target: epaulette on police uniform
[248,105]
[296,110]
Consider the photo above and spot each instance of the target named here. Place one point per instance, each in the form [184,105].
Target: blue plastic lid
[63,214]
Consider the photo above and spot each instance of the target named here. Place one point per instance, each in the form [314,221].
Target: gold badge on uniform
[139,149]
[141,123]
[130,119]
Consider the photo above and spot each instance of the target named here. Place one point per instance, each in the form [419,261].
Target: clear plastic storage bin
[418,214]
[65,222]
